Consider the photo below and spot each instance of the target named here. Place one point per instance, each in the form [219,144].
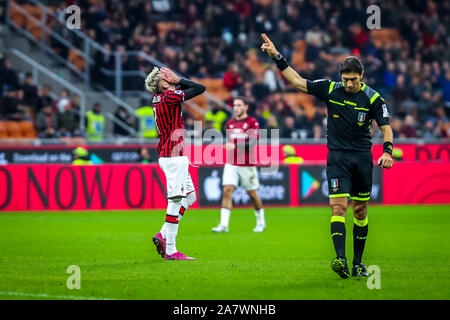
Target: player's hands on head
[385,161]
[169,75]
[268,46]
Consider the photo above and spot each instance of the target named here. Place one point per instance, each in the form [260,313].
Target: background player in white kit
[167,102]
[242,133]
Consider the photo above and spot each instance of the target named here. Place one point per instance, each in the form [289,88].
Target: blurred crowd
[219,39]
[21,99]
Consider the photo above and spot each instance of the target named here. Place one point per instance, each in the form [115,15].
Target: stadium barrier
[129,153]
[125,186]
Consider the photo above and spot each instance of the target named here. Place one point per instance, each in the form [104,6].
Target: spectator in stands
[44,97]
[430,130]
[104,61]
[8,77]
[444,81]
[76,107]
[301,120]
[260,89]
[409,129]
[216,116]
[396,125]
[231,78]
[81,156]
[30,92]
[318,132]
[290,155]
[399,94]
[10,107]
[47,123]
[144,155]
[68,122]
[288,130]
[126,122]
[95,123]
[61,101]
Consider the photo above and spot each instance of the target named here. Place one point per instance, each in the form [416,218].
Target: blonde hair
[152,81]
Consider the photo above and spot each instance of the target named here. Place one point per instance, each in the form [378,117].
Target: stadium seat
[263,2]
[13,129]
[384,38]
[3,132]
[77,60]
[164,27]
[17,17]
[253,63]
[296,100]
[27,128]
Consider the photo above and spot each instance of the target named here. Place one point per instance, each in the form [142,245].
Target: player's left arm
[381,115]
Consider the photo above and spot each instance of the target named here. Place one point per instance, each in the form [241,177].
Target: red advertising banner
[66,187]
[115,187]
[417,183]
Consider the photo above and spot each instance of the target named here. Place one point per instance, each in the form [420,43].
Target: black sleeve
[380,112]
[319,88]
[191,88]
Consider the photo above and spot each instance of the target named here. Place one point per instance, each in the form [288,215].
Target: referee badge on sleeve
[334,183]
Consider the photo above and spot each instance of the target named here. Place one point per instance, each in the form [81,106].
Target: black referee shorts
[349,174]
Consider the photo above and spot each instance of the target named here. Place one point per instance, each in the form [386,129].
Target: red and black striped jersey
[169,122]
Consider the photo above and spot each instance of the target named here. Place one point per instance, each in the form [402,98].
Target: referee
[351,107]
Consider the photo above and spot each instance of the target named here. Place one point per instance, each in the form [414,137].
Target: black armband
[388,147]
[280,62]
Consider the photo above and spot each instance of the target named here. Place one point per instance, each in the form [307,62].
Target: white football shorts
[247,175]
[176,170]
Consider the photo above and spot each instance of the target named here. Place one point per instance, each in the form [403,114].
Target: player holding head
[242,133]
[167,102]
[351,107]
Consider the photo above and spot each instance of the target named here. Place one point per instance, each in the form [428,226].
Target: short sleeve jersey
[349,114]
[169,122]
[242,133]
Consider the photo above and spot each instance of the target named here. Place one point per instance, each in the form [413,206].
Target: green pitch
[290,260]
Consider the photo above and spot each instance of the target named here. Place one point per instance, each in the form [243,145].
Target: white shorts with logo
[176,170]
[247,175]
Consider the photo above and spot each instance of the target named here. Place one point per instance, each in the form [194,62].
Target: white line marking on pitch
[43,295]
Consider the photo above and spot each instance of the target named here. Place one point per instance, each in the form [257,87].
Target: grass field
[290,260]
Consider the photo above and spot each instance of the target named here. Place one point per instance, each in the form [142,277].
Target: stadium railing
[38,71]
[82,49]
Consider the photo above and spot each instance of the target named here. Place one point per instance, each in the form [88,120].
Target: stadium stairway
[18,41]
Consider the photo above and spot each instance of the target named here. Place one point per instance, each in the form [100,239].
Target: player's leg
[259,211]
[338,233]
[225,210]
[230,181]
[190,198]
[360,195]
[339,185]
[250,181]
[176,172]
[360,231]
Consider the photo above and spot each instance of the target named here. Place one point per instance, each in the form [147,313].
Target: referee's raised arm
[290,74]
